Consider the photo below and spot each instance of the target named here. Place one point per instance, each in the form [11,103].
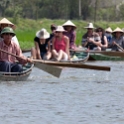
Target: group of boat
[79,57]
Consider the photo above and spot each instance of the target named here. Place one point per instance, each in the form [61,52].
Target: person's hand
[113,43]
[90,40]
[29,60]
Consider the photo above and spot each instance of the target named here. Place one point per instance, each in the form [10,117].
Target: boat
[17,76]
[107,55]
[102,57]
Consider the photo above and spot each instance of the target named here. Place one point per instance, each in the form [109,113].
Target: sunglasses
[8,34]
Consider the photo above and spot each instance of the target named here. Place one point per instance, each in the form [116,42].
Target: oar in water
[55,71]
[73,65]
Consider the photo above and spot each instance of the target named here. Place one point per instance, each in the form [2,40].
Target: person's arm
[105,43]
[23,59]
[37,50]
[49,47]
[53,40]
[67,46]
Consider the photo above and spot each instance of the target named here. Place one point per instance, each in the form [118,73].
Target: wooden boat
[102,57]
[17,76]
[107,55]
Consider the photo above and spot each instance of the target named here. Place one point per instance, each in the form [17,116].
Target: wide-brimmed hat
[108,30]
[5,21]
[60,29]
[8,30]
[42,34]
[118,30]
[69,23]
[90,25]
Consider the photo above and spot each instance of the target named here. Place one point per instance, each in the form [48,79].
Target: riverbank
[27,28]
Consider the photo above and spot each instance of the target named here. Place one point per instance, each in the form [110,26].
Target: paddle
[109,53]
[73,65]
[119,46]
[55,71]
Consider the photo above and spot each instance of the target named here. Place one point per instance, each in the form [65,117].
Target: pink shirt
[60,45]
[12,48]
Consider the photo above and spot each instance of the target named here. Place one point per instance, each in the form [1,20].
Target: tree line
[109,10]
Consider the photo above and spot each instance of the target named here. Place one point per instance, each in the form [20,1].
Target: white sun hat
[42,34]
[108,30]
[90,25]
[60,29]
[69,23]
[118,30]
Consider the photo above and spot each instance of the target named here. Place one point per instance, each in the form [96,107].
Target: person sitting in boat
[91,39]
[6,23]
[42,48]
[108,34]
[117,40]
[70,33]
[53,28]
[104,42]
[60,43]
[8,62]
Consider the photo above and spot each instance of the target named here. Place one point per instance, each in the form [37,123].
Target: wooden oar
[55,71]
[119,46]
[109,53]
[73,65]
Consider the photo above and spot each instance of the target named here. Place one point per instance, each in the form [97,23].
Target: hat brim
[47,35]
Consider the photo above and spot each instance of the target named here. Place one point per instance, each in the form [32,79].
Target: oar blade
[55,71]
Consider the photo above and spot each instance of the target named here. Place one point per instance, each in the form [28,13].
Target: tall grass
[27,28]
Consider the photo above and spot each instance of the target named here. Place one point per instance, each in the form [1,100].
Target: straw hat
[42,34]
[69,23]
[118,30]
[90,25]
[108,30]
[60,29]
[5,21]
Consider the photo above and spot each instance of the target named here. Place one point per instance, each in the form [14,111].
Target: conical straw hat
[108,30]
[5,21]
[69,23]
[117,30]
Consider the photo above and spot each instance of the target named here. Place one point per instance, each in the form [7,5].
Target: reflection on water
[77,97]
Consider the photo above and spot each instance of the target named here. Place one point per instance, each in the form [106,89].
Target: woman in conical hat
[70,33]
[118,38]
[6,23]
[108,34]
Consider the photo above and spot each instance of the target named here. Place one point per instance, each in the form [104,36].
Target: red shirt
[12,48]
[60,44]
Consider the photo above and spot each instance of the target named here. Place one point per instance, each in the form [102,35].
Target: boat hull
[17,76]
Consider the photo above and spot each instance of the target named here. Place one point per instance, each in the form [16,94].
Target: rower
[8,62]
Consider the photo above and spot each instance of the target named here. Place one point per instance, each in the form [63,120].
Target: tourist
[60,43]
[91,40]
[70,28]
[42,49]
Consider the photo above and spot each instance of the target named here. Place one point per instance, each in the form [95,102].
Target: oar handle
[119,46]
